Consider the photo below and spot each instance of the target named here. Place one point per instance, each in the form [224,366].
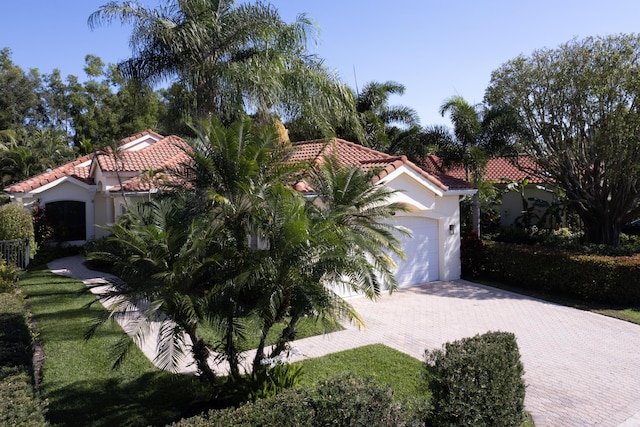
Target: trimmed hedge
[476,382]
[595,278]
[345,400]
[19,405]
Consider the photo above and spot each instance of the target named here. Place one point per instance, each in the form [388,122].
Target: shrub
[19,405]
[597,278]
[476,381]
[16,223]
[471,254]
[345,400]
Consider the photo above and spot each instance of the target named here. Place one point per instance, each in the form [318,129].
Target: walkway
[582,369]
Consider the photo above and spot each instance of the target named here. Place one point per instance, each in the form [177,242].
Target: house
[94,190]
[500,171]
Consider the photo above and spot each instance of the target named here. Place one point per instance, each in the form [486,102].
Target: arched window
[67,219]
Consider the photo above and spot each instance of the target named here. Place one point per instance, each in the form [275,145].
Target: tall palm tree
[478,134]
[381,121]
[235,58]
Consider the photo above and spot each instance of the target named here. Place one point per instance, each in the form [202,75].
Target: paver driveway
[581,369]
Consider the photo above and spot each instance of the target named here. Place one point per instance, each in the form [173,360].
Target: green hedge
[345,400]
[594,278]
[19,405]
[476,382]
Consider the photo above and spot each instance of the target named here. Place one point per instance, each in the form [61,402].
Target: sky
[435,48]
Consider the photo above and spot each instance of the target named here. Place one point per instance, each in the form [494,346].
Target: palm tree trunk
[201,356]
[288,334]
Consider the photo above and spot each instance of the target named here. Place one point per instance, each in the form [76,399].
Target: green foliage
[19,405]
[477,382]
[8,276]
[266,381]
[16,223]
[580,105]
[346,400]
[596,278]
[471,254]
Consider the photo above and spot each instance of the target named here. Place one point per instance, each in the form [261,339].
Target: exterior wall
[444,208]
[67,190]
[511,208]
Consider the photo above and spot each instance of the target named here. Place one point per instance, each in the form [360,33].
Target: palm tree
[233,58]
[165,262]
[478,134]
[342,239]
[382,123]
[250,247]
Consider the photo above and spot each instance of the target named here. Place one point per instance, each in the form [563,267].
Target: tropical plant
[384,126]
[248,251]
[232,59]
[479,133]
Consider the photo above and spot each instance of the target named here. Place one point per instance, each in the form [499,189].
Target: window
[68,220]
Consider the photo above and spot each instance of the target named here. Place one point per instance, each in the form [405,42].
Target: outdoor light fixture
[452,229]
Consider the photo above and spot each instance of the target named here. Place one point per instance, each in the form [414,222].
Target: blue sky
[436,48]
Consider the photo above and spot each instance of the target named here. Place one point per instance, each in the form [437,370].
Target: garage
[422,252]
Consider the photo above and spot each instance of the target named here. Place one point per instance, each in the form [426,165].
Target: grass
[306,327]
[78,381]
[389,367]
[82,389]
[629,314]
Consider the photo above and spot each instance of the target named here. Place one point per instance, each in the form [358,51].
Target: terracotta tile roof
[351,154]
[512,168]
[166,153]
[140,135]
[78,169]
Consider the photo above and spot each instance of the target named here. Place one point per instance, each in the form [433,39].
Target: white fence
[15,252]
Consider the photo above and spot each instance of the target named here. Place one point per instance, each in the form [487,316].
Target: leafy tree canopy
[580,104]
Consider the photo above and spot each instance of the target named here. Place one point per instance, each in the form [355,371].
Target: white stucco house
[83,195]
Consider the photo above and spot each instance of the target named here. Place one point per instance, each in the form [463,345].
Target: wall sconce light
[452,229]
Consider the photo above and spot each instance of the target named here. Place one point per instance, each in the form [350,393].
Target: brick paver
[581,369]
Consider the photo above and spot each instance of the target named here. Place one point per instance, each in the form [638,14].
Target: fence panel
[15,252]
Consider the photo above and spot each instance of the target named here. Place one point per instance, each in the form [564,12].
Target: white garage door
[421,263]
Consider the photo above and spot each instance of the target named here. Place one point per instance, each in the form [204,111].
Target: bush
[471,255]
[346,400]
[595,278]
[19,405]
[477,382]
[16,223]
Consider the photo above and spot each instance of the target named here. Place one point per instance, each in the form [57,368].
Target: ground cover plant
[20,405]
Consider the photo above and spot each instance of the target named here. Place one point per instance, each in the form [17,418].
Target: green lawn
[82,389]
[389,367]
[78,382]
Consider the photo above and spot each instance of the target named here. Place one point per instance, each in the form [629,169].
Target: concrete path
[582,369]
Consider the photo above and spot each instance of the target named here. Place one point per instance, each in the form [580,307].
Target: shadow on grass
[155,398]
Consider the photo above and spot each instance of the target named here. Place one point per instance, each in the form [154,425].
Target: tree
[234,59]
[19,101]
[580,103]
[479,133]
[247,249]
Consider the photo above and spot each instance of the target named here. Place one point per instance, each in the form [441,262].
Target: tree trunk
[476,213]
[601,231]
[201,356]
